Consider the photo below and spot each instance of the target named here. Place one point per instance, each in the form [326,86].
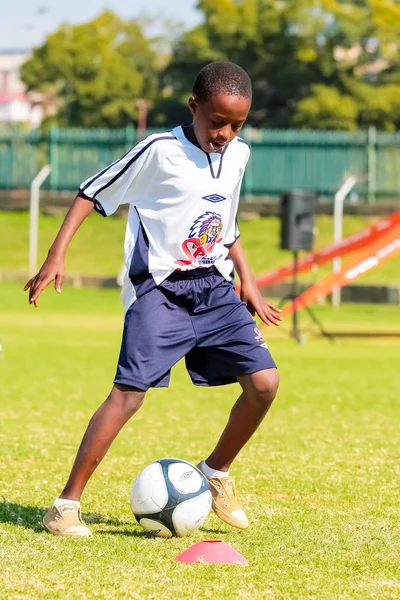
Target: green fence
[280,160]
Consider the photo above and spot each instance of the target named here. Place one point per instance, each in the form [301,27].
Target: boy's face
[219,120]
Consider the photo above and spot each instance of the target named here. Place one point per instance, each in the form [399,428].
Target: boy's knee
[128,398]
[265,386]
[269,386]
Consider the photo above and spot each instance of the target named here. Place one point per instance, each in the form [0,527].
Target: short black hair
[221,77]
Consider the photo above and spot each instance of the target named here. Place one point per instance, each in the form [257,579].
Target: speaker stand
[293,296]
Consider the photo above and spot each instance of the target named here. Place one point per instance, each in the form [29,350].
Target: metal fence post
[9,170]
[371,150]
[339,199]
[54,157]
[34,218]
[129,137]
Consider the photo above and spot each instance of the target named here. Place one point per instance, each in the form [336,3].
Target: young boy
[181,246]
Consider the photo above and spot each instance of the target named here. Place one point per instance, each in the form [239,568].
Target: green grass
[97,249]
[320,479]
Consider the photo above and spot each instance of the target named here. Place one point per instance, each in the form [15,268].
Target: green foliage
[95,71]
[377,105]
[192,51]
[328,65]
[325,109]
[334,65]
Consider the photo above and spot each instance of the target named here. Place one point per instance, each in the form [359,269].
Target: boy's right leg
[64,518]
[259,391]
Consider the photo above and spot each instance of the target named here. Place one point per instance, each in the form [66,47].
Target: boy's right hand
[52,270]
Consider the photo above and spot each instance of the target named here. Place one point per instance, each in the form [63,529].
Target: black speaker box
[297,219]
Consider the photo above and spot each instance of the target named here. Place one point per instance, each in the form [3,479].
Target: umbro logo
[186,475]
[214,198]
[65,509]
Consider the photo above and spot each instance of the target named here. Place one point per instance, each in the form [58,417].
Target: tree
[96,71]
[326,108]
[331,64]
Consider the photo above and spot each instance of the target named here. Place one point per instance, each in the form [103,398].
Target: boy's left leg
[259,391]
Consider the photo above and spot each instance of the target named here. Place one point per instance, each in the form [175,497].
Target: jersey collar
[185,134]
[188,132]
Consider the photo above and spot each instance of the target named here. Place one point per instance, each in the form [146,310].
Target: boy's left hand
[251,295]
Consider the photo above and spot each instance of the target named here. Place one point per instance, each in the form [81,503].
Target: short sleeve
[115,185]
[232,231]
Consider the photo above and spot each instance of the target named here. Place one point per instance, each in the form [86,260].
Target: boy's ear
[192,105]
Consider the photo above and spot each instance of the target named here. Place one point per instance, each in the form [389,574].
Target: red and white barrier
[354,242]
[380,249]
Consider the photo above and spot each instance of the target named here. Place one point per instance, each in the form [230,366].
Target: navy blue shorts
[197,315]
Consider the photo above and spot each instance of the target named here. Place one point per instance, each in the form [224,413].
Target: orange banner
[384,248]
[350,244]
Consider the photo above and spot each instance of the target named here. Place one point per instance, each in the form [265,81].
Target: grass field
[97,248]
[320,480]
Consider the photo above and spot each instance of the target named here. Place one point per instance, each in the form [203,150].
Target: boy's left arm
[249,292]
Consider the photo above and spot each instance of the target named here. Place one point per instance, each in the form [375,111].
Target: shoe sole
[226,519]
[64,534]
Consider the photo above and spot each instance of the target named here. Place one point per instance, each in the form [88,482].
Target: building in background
[16,104]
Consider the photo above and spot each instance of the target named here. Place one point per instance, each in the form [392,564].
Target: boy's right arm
[53,267]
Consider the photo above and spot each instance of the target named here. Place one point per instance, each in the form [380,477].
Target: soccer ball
[170,497]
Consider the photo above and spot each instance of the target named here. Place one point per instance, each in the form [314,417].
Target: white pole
[372,165]
[34,218]
[340,196]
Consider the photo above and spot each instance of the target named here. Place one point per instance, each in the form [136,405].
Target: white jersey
[183,205]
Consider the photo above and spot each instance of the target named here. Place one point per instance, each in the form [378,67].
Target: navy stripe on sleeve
[231,244]
[130,162]
[89,183]
[236,236]
[97,206]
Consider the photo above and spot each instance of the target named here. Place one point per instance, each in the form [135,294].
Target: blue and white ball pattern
[170,497]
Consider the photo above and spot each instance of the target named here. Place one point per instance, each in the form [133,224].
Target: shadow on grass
[209,530]
[30,517]
[146,534]
[127,533]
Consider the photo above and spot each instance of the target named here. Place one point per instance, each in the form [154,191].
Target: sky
[25,23]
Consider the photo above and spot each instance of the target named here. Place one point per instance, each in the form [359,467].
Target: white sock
[210,473]
[59,501]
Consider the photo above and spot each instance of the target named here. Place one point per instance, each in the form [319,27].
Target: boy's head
[220,102]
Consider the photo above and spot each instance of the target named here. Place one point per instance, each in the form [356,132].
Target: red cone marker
[212,552]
